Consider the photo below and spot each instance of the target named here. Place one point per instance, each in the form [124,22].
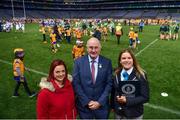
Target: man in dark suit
[92,82]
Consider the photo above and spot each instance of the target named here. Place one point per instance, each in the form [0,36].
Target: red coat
[59,104]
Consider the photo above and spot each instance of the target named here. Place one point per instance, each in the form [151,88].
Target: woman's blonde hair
[136,65]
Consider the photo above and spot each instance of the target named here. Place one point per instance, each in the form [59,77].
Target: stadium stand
[149,14]
[134,14]
[89,8]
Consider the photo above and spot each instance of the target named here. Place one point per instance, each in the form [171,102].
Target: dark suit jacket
[134,106]
[85,89]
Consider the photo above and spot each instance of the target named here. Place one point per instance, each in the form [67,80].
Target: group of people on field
[68,30]
[8,25]
[92,84]
[169,31]
[94,90]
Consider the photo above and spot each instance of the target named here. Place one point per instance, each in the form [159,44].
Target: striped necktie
[93,71]
[125,75]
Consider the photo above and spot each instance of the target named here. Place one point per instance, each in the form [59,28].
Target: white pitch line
[29,69]
[38,72]
[146,47]
[147,104]
[3,61]
[151,105]
[163,108]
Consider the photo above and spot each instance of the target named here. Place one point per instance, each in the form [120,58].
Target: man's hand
[93,105]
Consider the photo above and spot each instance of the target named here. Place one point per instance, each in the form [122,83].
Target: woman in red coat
[56,98]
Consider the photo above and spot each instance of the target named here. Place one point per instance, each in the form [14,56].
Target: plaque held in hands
[129,88]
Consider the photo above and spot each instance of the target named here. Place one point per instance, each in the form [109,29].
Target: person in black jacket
[129,106]
[97,34]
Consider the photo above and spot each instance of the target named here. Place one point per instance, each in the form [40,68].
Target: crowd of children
[77,29]
[60,29]
[8,25]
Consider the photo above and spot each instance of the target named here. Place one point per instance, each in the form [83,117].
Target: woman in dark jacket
[128,99]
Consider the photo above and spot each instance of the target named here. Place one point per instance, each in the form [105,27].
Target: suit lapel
[87,69]
[132,76]
[86,62]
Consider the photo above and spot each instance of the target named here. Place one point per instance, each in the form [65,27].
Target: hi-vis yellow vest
[18,64]
[118,30]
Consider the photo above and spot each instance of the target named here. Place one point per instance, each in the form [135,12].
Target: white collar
[128,71]
[90,59]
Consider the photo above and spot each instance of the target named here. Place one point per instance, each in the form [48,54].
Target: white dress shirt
[128,71]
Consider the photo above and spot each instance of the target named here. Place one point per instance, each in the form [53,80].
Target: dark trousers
[44,37]
[112,31]
[118,38]
[18,83]
[86,113]
[58,38]
[130,42]
[140,28]
[68,38]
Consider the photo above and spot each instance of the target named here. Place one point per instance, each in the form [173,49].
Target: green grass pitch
[160,59]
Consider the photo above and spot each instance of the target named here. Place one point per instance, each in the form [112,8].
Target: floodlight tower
[12,8]
[24,10]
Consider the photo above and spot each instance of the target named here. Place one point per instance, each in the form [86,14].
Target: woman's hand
[121,99]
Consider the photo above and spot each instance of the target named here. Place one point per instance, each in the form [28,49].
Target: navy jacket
[84,88]
[134,105]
